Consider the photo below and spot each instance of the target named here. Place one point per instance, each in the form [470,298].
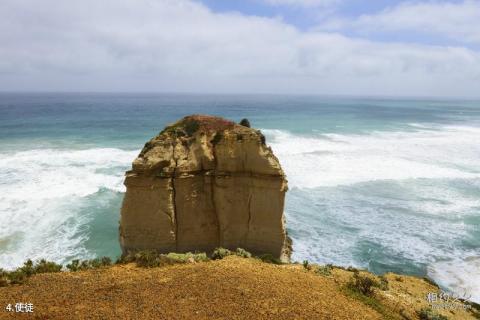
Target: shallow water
[391,185]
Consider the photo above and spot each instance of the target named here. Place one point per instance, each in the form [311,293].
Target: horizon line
[191,93]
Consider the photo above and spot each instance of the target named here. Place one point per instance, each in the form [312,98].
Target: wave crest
[41,200]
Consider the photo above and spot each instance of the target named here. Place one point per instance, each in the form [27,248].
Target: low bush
[187,257]
[150,258]
[220,253]
[16,277]
[364,284]
[324,270]
[429,314]
[268,258]
[306,265]
[4,278]
[244,122]
[28,268]
[370,301]
[243,253]
[74,265]
[191,126]
[78,265]
[44,266]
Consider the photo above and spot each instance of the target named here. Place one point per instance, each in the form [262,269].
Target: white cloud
[302,3]
[179,45]
[456,21]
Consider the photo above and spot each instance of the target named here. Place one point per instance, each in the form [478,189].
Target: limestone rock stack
[205,182]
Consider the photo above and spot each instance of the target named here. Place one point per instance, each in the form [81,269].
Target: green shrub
[94,263]
[44,266]
[363,284]
[125,258]
[4,278]
[106,261]
[150,258]
[243,253]
[74,265]
[244,122]
[370,301]
[191,126]
[306,265]
[85,265]
[77,265]
[220,253]
[429,314]
[28,268]
[16,277]
[200,257]
[187,257]
[178,257]
[324,270]
[146,260]
[100,262]
[268,258]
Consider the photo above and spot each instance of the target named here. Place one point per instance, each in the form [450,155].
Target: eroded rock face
[202,183]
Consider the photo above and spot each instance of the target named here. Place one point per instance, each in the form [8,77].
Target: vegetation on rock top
[189,125]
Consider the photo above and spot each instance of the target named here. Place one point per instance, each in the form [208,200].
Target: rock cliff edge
[205,182]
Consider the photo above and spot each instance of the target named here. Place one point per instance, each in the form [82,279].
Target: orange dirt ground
[232,288]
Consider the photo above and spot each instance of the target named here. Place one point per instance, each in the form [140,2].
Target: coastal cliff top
[202,124]
[199,143]
[231,288]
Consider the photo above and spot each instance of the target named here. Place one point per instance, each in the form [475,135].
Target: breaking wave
[398,201]
[43,196]
[404,201]
[337,159]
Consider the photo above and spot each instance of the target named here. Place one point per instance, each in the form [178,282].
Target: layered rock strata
[205,182]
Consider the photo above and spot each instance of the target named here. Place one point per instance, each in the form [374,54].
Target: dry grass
[229,288]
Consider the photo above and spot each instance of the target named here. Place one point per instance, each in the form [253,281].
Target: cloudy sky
[352,47]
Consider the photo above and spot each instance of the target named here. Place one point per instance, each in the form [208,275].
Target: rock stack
[205,182]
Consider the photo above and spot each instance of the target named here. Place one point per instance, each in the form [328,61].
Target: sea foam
[391,196]
[42,196]
[339,159]
[386,200]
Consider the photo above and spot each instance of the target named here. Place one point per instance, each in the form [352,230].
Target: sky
[425,48]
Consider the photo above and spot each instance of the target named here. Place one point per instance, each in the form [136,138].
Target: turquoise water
[383,184]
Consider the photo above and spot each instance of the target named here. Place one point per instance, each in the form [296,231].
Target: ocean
[380,183]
